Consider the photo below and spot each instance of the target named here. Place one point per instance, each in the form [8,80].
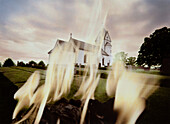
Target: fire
[129,89]
[114,76]
[59,76]
[25,93]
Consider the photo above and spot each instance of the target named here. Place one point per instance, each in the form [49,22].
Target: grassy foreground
[157,105]
[19,75]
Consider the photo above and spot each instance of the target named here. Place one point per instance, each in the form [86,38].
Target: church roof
[108,44]
[104,53]
[57,42]
[81,44]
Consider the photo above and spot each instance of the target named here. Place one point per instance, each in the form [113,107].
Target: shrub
[22,64]
[8,62]
[82,66]
[79,72]
[41,65]
[103,68]
[104,75]
[32,64]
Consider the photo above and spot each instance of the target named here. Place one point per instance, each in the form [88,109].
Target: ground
[11,78]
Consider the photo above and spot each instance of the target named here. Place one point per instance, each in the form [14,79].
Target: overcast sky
[30,28]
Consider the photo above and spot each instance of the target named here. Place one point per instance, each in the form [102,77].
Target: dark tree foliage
[32,64]
[22,64]
[0,64]
[8,62]
[155,48]
[131,61]
[41,64]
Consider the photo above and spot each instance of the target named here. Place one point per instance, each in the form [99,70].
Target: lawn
[157,105]
[19,75]
[156,72]
[157,109]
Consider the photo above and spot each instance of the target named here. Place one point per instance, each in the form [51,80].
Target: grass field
[157,105]
[19,75]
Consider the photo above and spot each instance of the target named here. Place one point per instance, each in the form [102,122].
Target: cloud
[34,26]
[130,21]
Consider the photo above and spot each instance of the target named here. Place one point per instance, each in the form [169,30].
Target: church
[106,57]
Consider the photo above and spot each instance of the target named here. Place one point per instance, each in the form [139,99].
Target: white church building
[106,57]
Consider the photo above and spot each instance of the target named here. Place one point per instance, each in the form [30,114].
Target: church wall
[80,58]
[107,59]
[108,50]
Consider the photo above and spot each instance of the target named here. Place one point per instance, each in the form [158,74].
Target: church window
[85,57]
[103,61]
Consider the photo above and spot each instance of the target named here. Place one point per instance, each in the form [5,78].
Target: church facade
[84,48]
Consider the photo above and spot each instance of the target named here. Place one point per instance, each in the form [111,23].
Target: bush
[22,64]
[32,64]
[82,66]
[41,65]
[103,68]
[76,65]
[79,72]
[8,62]
[104,75]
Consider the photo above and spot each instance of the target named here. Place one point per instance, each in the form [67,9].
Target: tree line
[9,62]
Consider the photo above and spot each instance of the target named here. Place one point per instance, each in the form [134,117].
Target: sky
[30,28]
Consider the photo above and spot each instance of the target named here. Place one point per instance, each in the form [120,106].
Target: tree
[22,64]
[155,48]
[41,65]
[121,56]
[0,64]
[131,61]
[8,62]
[32,64]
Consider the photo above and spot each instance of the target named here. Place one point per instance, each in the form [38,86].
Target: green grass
[156,72]
[29,69]
[19,75]
[157,109]
[100,92]
[15,75]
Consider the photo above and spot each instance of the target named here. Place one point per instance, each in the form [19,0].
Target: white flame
[25,93]
[59,75]
[130,90]
[117,71]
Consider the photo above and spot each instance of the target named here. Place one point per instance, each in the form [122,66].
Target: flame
[59,76]
[114,76]
[25,93]
[130,90]
[88,86]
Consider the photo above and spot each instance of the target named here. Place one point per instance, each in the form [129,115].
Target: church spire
[70,35]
